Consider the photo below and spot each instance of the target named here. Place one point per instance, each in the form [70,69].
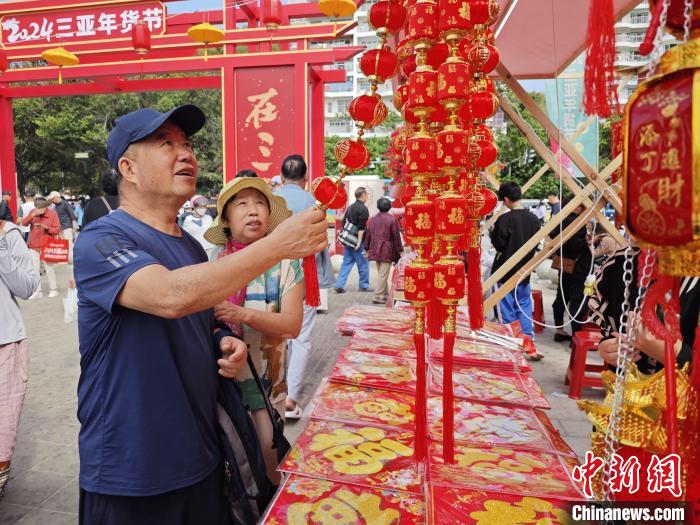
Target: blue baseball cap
[139,124]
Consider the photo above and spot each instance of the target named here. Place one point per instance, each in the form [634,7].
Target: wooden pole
[553,131]
[577,200]
[533,263]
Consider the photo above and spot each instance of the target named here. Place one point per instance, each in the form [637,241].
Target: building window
[329,107]
[343,106]
[639,17]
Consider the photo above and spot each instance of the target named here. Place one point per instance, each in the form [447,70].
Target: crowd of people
[176,301]
[172,301]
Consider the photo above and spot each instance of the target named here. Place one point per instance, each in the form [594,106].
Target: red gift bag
[54,250]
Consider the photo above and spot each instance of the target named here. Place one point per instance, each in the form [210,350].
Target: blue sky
[194,5]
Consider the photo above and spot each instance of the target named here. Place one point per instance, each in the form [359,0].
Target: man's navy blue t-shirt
[147,390]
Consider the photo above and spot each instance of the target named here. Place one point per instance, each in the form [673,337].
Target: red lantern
[422,90]
[387,17]
[437,54]
[352,154]
[661,170]
[419,221]
[482,132]
[483,12]
[379,64]
[398,139]
[368,110]
[330,193]
[453,17]
[400,97]
[423,23]
[449,280]
[482,153]
[453,83]
[490,201]
[483,105]
[483,57]
[141,38]
[271,14]
[450,216]
[453,149]
[418,282]
[439,117]
[482,83]
[408,115]
[420,155]
[407,193]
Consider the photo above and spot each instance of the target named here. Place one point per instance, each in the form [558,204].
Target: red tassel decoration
[448,411]
[647,46]
[313,293]
[421,421]
[436,318]
[600,93]
[475,292]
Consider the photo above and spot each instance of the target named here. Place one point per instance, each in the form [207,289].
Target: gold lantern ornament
[206,34]
[60,57]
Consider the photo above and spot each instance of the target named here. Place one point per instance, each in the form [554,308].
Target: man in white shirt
[24,209]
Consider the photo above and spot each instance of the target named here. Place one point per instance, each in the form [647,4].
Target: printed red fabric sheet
[398,345]
[451,506]
[359,455]
[505,470]
[375,371]
[490,386]
[357,405]
[478,353]
[398,320]
[303,500]
[498,425]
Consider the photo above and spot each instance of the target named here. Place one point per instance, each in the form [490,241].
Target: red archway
[272,83]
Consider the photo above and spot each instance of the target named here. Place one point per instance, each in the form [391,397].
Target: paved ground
[43,488]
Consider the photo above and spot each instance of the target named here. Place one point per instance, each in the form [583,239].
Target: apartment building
[629,34]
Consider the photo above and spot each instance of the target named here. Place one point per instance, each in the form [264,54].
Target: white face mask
[200,211]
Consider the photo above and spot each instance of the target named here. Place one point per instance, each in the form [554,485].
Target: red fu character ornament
[419,225]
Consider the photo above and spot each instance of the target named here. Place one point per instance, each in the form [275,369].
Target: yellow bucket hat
[278,207]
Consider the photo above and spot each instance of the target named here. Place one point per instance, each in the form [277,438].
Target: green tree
[49,132]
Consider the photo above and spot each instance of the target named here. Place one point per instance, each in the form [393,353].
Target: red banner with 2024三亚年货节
[60,27]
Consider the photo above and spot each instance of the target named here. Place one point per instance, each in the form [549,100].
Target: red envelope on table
[358,455]
[377,319]
[399,345]
[451,506]
[303,500]
[477,353]
[489,386]
[375,371]
[363,406]
[498,425]
[504,470]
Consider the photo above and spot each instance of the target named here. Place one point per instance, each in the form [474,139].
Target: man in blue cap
[148,444]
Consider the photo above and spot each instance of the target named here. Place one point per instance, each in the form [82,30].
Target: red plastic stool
[580,374]
[537,311]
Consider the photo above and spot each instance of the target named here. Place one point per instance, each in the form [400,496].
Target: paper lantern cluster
[446,57]
[367,110]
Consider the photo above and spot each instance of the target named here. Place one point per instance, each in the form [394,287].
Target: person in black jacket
[106,203]
[356,214]
[570,290]
[5,210]
[511,231]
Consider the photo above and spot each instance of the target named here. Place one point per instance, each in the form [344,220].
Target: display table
[354,462]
